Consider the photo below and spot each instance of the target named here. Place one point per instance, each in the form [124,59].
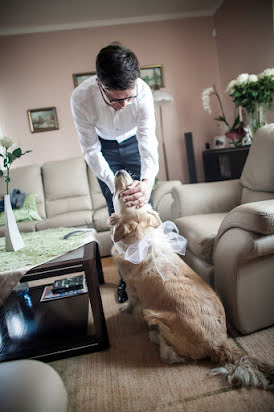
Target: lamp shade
[160,96]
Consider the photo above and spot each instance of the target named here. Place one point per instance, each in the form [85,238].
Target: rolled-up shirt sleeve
[90,144]
[147,141]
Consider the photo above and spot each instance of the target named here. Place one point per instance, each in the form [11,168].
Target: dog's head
[122,180]
[129,223]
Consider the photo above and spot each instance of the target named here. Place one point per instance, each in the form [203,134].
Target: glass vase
[257,118]
[13,237]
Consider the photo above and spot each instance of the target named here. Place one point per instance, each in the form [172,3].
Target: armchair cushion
[249,196]
[200,232]
[255,217]
[258,173]
[200,198]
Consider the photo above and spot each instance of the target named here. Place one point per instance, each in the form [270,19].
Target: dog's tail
[242,370]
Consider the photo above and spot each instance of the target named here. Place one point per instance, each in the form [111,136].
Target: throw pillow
[27,212]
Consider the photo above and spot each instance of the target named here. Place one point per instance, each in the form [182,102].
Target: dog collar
[163,240]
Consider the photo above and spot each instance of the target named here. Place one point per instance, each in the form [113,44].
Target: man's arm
[138,193]
[90,145]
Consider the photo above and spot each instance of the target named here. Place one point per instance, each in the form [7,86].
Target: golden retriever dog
[184,315]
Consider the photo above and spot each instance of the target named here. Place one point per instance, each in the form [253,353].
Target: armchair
[230,230]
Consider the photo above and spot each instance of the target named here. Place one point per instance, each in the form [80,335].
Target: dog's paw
[126,308]
[168,353]
[113,219]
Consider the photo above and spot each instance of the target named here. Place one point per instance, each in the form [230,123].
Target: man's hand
[137,193]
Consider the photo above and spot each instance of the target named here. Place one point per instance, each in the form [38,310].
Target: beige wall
[36,71]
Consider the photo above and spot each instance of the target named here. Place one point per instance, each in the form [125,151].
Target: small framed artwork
[219,142]
[42,120]
[78,78]
[153,75]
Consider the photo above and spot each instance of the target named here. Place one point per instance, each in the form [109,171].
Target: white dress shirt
[93,117]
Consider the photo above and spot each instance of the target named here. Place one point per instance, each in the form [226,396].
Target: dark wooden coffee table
[58,328]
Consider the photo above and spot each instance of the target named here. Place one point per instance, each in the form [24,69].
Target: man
[115,121]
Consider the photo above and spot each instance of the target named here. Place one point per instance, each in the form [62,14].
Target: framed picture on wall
[42,120]
[153,75]
[219,142]
[78,78]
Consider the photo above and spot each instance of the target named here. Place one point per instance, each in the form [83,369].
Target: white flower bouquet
[255,94]
[8,158]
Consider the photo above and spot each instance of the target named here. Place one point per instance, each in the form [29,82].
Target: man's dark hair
[117,67]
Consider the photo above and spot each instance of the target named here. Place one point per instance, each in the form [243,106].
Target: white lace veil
[163,240]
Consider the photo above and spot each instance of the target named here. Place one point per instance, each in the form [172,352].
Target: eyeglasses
[127,99]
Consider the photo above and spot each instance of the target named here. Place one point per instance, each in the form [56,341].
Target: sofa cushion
[100,219]
[70,219]
[66,186]
[28,180]
[200,232]
[98,200]
[29,226]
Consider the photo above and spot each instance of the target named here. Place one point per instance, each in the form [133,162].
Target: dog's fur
[185,316]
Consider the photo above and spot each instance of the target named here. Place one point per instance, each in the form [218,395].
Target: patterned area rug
[130,376]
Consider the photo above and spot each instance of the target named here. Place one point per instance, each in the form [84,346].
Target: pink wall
[245,41]
[36,71]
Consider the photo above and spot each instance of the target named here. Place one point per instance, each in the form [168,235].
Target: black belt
[113,144]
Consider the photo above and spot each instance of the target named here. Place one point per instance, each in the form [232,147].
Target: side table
[58,328]
[224,164]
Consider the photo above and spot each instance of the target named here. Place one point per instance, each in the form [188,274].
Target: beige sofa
[230,230]
[69,195]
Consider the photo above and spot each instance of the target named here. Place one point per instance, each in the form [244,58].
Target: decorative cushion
[27,212]
[29,180]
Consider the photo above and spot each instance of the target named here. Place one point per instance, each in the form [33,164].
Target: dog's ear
[113,219]
[122,229]
[153,218]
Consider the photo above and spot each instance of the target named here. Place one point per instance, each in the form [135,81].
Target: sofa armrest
[204,198]
[162,198]
[243,278]
[256,217]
